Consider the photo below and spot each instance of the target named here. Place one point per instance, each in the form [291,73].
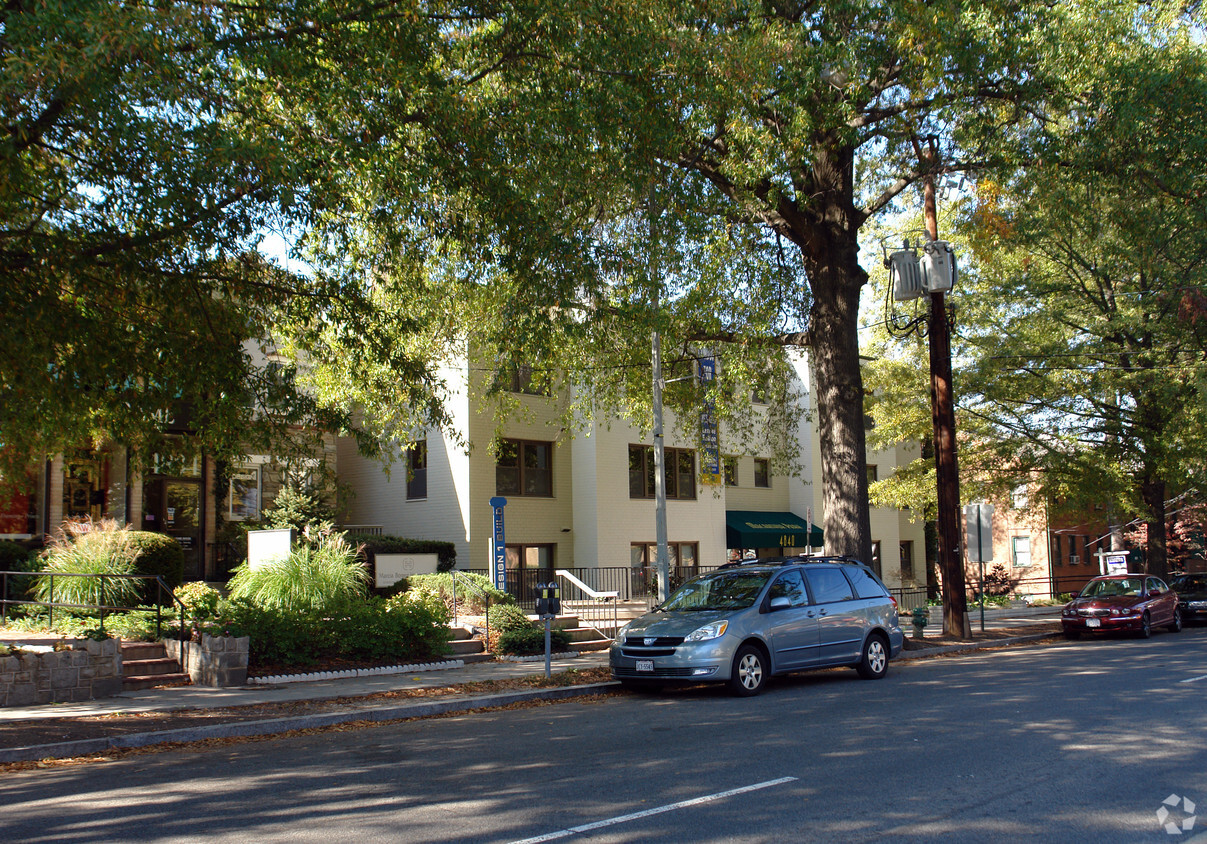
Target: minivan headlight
[708,631]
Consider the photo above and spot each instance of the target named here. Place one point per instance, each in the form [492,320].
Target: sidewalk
[195,713]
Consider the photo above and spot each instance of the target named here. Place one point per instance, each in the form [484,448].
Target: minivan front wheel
[749,673]
[873,664]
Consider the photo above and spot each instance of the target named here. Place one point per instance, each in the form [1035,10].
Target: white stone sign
[392,568]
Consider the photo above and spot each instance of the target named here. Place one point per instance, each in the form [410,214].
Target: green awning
[755,529]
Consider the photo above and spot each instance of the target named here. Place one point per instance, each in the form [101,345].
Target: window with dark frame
[417,470]
[762,472]
[524,468]
[518,378]
[907,559]
[731,471]
[680,472]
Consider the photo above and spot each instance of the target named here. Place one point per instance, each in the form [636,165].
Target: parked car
[1192,595]
[1115,603]
[752,619]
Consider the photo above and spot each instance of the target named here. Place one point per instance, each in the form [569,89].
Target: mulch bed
[52,730]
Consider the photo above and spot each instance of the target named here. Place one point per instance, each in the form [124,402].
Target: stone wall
[88,670]
[214,661]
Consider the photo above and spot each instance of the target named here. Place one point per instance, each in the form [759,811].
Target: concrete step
[134,651]
[459,633]
[478,657]
[149,681]
[144,667]
[461,647]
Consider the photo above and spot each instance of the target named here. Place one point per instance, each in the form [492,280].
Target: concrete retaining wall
[88,670]
[214,661]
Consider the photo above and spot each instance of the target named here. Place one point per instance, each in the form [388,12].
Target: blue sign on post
[710,456]
[498,561]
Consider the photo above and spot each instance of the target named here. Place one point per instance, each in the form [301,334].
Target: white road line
[708,798]
[1194,679]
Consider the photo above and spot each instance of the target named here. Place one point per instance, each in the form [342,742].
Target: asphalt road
[1068,742]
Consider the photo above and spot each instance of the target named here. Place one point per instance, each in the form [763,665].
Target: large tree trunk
[1152,490]
[833,326]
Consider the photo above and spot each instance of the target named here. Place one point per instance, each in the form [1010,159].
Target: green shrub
[524,641]
[407,628]
[201,602]
[470,600]
[508,617]
[159,555]
[321,577]
[279,636]
[504,618]
[16,557]
[87,548]
[373,544]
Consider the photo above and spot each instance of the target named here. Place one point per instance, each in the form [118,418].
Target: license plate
[645,665]
[1093,622]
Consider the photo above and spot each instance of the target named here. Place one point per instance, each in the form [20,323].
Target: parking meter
[548,599]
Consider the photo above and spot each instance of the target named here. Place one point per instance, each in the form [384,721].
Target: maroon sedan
[1122,602]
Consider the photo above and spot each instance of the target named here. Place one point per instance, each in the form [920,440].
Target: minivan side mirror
[779,602]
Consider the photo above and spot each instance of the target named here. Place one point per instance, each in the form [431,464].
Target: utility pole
[951,565]
[663,556]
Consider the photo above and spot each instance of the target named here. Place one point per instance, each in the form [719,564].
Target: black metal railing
[161,590]
[630,583]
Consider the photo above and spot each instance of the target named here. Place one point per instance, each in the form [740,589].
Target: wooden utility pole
[951,564]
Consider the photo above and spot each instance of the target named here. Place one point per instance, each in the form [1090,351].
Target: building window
[876,557]
[1018,498]
[1021,550]
[417,470]
[525,468]
[907,560]
[518,378]
[762,472]
[873,473]
[680,472]
[243,496]
[731,471]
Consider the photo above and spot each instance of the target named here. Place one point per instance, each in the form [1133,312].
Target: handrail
[161,589]
[584,587]
[609,598]
[485,596]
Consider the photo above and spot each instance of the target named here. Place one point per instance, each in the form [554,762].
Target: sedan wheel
[874,663]
[1176,626]
[749,672]
[1146,627]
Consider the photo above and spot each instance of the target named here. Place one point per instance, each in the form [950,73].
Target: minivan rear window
[865,583]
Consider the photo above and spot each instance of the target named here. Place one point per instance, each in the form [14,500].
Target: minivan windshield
[721,590]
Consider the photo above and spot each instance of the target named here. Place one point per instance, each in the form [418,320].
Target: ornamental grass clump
[94,548]
[321,576]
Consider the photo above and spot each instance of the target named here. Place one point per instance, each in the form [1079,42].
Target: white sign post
[265,546]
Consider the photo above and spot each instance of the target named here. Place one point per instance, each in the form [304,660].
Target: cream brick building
[581,501]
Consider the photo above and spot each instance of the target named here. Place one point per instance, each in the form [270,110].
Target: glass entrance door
[173,507]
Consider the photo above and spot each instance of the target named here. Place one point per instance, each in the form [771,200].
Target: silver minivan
[750,620]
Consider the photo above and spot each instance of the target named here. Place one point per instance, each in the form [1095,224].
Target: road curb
[909,656]
[272,726]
